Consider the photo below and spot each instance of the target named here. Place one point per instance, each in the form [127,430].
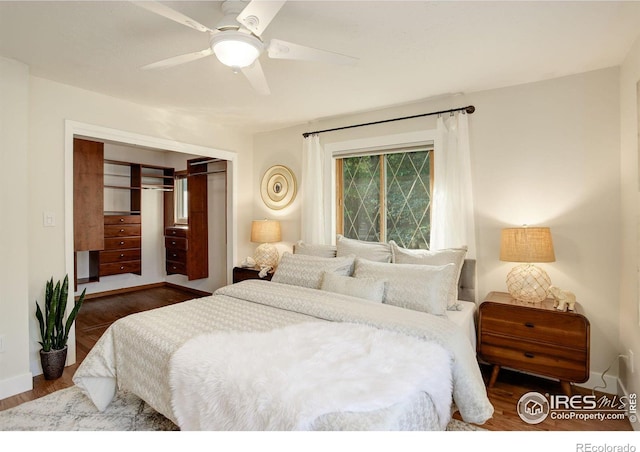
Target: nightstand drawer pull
[529,355]
[529,325]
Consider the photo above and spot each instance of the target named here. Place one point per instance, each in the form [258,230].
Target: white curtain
[313,228]
[452,220]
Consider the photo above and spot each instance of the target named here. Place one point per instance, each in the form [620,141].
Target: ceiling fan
[236,40]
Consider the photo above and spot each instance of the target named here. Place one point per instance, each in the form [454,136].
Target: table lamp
[527,282]
[266,232]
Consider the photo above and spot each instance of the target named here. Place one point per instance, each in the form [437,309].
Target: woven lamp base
[528,283]
[266,255]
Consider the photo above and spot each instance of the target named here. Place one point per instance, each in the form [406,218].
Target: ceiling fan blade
[286,50]
[172,14]
[256,77]
[258,14]
[180,59]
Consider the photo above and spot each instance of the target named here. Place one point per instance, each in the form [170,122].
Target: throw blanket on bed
[286,378]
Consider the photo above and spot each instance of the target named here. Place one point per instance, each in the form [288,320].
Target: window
[181,195]
[386,197]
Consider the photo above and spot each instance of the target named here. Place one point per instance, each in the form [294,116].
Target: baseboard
[197,292]
[16,385]
[610,385]
[110,293]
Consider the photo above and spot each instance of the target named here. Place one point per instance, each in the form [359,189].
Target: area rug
[70,410]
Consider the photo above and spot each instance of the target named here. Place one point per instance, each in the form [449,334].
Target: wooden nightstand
[242,273]
[533,338]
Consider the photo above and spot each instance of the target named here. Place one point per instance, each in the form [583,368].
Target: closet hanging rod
[468,109]
[207,172]
[204,162]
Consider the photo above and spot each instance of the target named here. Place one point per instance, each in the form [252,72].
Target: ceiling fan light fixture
[236,49]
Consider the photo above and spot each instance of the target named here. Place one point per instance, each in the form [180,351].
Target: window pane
[408,199]
[361,185]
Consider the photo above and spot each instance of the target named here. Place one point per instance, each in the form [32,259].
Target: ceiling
[406,50]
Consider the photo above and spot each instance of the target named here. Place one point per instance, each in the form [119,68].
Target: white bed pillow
[427,257]
[309,249]
[367,288]
[425,288]
[306,271]
[374,251]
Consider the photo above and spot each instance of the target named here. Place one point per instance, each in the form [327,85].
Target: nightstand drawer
[535,325]
[539,363]
[526,347]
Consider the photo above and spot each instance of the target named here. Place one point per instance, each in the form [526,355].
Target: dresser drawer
[176,255]
[175,232]
[175,243]
[176,268]
[120,255]
[523,323]
[122,219]
[120,243]
[121,230]
[115,268]
[540,363]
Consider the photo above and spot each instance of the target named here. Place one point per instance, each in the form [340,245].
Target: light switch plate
[48,219]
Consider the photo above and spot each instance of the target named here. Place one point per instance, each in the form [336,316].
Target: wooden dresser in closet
[176,244]
[122,245]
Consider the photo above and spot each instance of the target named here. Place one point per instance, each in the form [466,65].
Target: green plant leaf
[72,316]
[40,318]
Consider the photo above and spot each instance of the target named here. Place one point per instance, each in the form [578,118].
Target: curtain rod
[469,109]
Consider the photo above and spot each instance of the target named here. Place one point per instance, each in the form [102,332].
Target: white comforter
[135,352]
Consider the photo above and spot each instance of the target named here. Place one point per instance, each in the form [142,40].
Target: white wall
[629,277]
[14,241]
[543,153]
[49,105]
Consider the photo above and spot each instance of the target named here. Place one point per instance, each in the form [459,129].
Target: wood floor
[97,314]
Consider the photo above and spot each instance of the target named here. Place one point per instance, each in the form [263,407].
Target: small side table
[242,273]
[534,337]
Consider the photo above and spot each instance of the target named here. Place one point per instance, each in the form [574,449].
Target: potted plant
[54,330]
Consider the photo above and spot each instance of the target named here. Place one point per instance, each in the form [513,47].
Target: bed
[248,357]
